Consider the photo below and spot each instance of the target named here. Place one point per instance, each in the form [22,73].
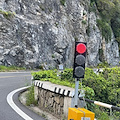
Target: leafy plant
[53,56]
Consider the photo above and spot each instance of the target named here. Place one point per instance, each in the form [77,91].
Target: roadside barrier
[111,107]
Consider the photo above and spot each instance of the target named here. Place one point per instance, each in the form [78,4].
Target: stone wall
[51,102]
[53,98]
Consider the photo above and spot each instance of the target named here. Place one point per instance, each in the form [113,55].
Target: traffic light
[79,59]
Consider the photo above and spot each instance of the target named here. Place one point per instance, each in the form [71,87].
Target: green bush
[104,87]
[65,78]
[67,75]
[101,115]
[112,77]
[104,64]
[45,75]
[92,7]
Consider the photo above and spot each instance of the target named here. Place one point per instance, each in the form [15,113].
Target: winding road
[10,81]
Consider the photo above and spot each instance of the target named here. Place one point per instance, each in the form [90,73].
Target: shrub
[45,75]
[67,75]
[104,87]
[104,64]
[65,78]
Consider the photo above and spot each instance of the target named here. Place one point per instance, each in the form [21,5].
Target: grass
[30,97]
[10,68]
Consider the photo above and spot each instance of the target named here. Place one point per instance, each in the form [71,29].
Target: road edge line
[14,106]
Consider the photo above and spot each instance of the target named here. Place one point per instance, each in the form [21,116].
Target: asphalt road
[10,81]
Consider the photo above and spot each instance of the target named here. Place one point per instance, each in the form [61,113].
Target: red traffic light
[81,48]
[79,59]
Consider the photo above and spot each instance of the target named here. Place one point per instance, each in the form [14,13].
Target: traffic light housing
[79,59]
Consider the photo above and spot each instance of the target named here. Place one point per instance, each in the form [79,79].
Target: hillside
[43,32]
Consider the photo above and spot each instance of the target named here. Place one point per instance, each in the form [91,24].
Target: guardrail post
[31,80]
[110,111]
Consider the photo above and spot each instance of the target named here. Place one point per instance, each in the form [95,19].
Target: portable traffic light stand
[80,114]
[74,112]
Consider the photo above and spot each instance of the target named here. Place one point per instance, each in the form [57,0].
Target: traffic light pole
[75,98]
[76,92]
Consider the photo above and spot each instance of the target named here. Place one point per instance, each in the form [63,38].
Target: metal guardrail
[111,107]
[102,104]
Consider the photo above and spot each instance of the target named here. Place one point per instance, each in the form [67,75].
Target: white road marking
[13,105]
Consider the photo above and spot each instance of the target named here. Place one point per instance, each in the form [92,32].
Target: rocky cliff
[37,32]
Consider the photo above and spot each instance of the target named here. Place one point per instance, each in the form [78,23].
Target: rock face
[98,49]
[44,32]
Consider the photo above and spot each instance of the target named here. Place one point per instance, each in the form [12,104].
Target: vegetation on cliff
[109,11]
[7,14]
